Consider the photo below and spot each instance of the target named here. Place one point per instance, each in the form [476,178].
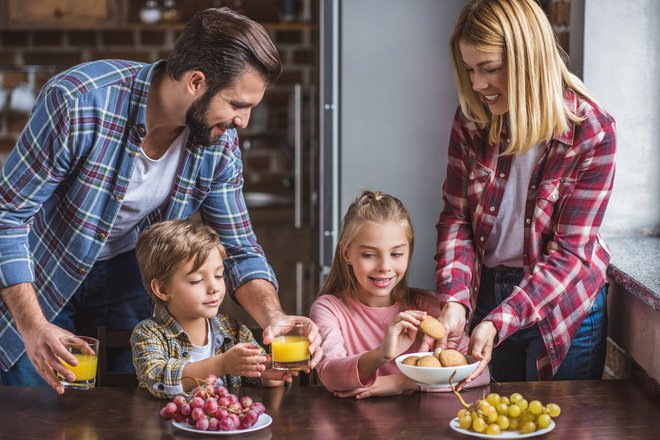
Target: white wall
[397,101]
[622,69]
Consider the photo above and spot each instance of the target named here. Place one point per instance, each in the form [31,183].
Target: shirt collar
[163,317]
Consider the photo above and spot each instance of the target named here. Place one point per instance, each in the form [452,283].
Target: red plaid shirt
[564,255]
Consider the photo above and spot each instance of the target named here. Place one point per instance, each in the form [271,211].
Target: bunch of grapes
[496,413]
[213,408]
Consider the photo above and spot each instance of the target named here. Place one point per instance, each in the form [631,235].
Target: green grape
[493,398]
[490,413]
[528,428]
[544,421]
[465,422]
[523,404]
[505,400]
[502,408]
[493,429]
[527,416]
[478,424]
[514,423]
[515,397]
[462,412]
[503,422]
[514,410]
[553,409]
[535,407]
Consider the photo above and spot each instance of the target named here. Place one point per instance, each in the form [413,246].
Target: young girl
[366,313]
[529,175]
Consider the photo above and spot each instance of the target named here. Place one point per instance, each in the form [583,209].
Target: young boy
[181,264]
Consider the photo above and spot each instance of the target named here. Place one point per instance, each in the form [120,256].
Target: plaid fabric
[564,255]
[161,349]
[64,182]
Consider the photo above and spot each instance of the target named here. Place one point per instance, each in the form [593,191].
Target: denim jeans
[112,295]
[515,358]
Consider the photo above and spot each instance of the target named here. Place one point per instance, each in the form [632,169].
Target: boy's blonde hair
[369,207]
[164,247]
[536,71]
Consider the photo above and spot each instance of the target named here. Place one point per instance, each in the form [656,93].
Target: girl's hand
[391,385]
[453,319]
[242,359]
[401,333]
[480,347]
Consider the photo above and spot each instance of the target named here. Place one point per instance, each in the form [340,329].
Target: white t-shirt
[199,353]
[150,185]
[505,243]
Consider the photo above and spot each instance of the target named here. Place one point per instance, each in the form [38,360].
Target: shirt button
[62,299]
[133,153]
[492,208]
[533,186]
[502,175]
[82,271]
[481,238]
[528,221]
[102,235]
[119,197]
[471,175]
[185,353]
[141,129]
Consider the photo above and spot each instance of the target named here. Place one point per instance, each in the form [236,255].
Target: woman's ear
[159,291]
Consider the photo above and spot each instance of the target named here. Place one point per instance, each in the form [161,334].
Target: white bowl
[435,376]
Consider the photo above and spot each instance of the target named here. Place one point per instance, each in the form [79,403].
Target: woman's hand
[391,385]
[453,319]
[480,347]
[401,333]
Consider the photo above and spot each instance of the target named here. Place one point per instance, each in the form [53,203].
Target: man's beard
[196,122]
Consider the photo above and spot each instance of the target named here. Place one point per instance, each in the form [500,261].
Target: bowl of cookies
[433,369]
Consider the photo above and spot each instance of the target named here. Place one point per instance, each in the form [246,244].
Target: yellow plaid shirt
[161,349]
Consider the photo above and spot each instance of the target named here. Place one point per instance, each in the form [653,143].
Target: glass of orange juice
[86,351]
[290,346]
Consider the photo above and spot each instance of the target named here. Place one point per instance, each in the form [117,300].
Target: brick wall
[33,56]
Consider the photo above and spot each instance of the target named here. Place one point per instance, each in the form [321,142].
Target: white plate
[263,421]
[505,434]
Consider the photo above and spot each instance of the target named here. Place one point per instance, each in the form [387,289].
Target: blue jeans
[515,358]
[112,295]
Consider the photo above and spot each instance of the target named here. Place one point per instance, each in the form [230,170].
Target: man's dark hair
[223,45]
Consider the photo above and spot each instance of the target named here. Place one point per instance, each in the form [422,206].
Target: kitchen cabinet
[60,13]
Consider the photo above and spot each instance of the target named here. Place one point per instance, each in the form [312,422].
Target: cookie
[436,352]
[452,358]
[428,361]
[432,327]
[410,360]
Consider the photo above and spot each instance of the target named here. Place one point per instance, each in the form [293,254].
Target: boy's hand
[401,333]
[242,359]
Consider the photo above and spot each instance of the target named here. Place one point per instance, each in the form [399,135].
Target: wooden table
[590,410]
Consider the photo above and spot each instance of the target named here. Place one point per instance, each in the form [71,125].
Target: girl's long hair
[536,71]
[370,207]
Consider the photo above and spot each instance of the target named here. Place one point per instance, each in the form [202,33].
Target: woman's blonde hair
[164,247]
[536,71]
[369,207]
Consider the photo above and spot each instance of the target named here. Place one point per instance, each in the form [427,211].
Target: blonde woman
[530,171]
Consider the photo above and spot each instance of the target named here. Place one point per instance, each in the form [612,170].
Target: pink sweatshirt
[350,328]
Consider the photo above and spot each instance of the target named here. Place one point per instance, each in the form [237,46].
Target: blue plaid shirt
[63,184]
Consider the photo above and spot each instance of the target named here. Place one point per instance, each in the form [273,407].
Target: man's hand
[43,347]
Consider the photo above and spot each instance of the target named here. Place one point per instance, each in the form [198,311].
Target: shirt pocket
[549,200]
[478,176]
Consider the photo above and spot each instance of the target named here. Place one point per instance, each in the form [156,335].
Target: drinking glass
[290,346]
[86,351]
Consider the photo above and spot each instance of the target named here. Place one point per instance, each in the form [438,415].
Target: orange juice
[86,368]
[290,352]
